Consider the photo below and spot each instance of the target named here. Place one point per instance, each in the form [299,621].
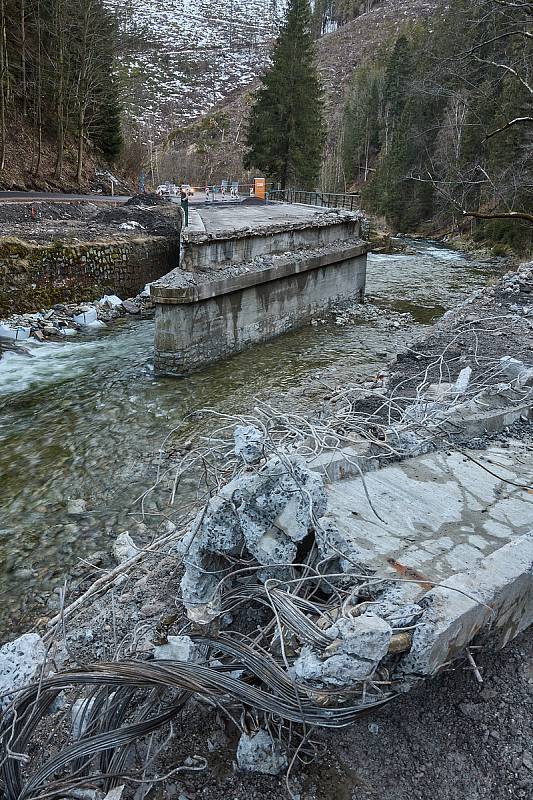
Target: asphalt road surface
[28,197]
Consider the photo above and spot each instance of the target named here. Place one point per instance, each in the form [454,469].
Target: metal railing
[351,202]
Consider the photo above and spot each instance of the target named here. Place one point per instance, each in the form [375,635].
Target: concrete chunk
[177,648]
[495,598]
[20,663]
[249,443]
[260,753]
[367,636]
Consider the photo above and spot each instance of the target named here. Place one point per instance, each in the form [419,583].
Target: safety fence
[351,202]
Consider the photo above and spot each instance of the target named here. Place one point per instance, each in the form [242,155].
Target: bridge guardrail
[349,201]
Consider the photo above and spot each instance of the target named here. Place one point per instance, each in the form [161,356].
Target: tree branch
[524,6]
[500,215]
[507,68]
[509,124]
[527,35]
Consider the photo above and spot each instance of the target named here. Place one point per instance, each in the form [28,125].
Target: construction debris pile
[281,625]
[262,552]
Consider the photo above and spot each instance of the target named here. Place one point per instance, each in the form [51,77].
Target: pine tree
[286,131]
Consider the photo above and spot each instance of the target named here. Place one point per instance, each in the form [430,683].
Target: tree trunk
[500,215]
[60,92]
[81,132]
[2,87]
[23,55]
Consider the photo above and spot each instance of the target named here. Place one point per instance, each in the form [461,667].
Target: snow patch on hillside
[181,57]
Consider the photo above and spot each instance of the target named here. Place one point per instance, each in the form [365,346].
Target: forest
[58,81]
[439,126]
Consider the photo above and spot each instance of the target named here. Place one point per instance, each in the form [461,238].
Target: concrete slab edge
[328,219]
[291,266]
[493,599]
[348,462]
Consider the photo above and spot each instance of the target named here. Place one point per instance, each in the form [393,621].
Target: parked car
[167,189]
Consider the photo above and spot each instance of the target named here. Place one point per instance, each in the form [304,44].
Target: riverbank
[67,253]
[85,417]
[458,363]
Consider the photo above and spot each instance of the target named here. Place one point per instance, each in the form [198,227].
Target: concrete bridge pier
[270,272]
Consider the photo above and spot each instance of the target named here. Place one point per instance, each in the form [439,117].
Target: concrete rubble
[21,662]
[258,752]
[268,511]
[357,646]
[67,319]
[178,648]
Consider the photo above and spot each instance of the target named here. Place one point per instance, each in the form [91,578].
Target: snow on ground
[180,57]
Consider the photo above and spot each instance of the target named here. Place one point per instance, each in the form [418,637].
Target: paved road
[28,197]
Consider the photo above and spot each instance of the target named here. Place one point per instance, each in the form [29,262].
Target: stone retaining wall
[34,276]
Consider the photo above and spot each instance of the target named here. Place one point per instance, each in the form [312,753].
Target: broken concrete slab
[439,512]
[493,599]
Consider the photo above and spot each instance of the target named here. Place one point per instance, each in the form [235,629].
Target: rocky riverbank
[67,319]
[479,351]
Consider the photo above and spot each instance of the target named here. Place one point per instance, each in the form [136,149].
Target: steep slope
[20,173]
[338,53]
[181,57]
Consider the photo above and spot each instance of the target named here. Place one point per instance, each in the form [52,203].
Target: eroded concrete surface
[225,217]
[441,513]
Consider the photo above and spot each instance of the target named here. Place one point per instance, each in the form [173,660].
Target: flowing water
[85,418]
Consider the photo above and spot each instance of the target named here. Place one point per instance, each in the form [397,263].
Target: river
[84,419]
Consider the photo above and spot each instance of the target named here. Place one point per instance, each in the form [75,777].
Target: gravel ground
[43,222]
[452,739]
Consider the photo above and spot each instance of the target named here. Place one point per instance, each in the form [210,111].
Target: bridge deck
[217,217]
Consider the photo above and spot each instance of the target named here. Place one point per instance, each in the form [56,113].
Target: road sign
[260,187]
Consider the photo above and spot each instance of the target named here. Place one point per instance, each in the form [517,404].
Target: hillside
[338,53]
[59,103]
[21,156]
[179,58]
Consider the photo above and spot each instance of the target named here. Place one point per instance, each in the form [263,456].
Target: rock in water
[75,507]
[20,662]
[260,753]
[131,308]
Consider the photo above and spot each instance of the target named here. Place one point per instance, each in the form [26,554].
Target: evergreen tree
[398,74]
[286,131]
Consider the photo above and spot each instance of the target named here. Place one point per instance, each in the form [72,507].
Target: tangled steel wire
[246,672]
[247,676]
